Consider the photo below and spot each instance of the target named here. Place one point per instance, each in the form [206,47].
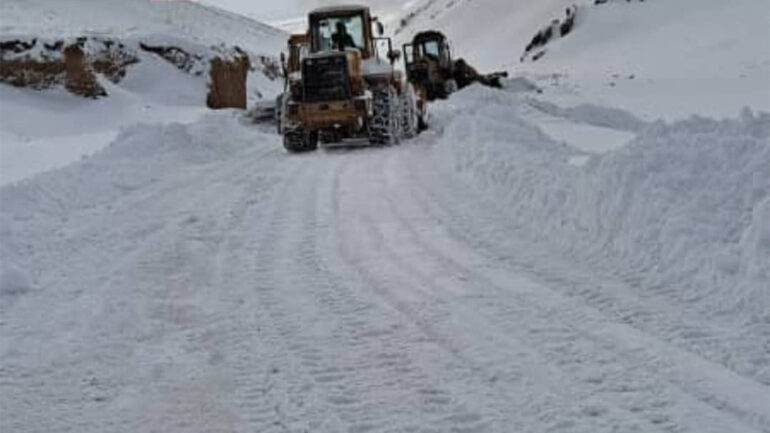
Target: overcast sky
[264,10]
[278,10]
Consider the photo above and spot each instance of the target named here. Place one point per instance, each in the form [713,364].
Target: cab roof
[428,35]
[333,10]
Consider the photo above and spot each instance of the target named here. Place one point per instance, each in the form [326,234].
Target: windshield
[431,49]
[338,33]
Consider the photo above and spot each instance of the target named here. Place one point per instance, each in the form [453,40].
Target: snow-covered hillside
[43,130]
[184,19]
[657,58]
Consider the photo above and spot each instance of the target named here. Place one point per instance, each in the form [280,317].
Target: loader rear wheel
[300,140]
[385,125]
[422,122]
[450,86]
[410,113]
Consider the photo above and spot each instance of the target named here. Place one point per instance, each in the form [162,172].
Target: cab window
[431,49]
[338,33]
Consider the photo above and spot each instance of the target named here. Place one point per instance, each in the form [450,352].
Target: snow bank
[679,200]
[140,156]
[683,207]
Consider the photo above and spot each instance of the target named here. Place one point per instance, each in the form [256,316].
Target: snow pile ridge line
[683,206]
[592,114]
[140,156]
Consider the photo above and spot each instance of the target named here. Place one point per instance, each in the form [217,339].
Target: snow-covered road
[179,282]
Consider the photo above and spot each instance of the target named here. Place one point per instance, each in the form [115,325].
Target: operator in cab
[342,39]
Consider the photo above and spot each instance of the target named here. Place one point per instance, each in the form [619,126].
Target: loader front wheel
[410,124]
[385,126]
[300,140]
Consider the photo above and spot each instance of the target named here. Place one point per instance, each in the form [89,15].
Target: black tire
[330,137]
[279,112]
[385,124]
[422,124]
[410,115]
[300,140]
[450,86]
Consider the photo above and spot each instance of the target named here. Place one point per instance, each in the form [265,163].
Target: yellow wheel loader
[435,74]
[429,65]
[346,86]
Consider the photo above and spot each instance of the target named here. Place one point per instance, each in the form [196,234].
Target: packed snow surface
[471,280]
[534,262]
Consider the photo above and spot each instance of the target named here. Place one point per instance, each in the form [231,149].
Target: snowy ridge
[138,156]
[192,21]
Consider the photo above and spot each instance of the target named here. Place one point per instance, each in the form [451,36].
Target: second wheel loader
[435,74]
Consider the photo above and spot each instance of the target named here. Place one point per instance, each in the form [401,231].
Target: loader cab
[428,64]
[428,48]
[341,29]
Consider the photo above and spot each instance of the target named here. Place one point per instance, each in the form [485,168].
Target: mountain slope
[657,58]
[187,20]
[44,130]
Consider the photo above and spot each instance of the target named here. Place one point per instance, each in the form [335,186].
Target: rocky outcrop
[269,66]
[37,74]
[556,29]
[72,64]
[228,70]
[194,64]
[227,81]
[75,64]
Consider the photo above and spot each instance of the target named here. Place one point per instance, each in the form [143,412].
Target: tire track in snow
[520,374]
[272,385]
[447,371]
[357,353]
